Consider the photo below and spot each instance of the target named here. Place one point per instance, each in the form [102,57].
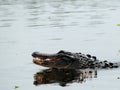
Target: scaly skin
[68,60]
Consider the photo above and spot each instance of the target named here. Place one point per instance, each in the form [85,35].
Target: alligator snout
[35,54]
[39,55]
[43,56]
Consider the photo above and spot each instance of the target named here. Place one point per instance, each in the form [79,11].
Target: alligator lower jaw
[40,61]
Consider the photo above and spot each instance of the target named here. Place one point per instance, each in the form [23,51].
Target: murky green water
[88,26]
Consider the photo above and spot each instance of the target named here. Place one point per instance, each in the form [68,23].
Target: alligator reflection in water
[63,77]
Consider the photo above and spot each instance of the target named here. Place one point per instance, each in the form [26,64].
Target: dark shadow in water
[63,77]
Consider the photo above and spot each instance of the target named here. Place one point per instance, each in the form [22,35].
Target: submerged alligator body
[69,60]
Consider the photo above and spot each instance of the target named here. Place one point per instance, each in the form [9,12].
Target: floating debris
[119,51]
[118,24]
[16,87]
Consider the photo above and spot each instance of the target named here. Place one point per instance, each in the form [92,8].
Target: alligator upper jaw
[43,56]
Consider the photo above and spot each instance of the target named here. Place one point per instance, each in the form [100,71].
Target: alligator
[68,60]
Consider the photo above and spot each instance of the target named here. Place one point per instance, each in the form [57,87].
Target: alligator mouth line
[47,59]
[42,62]
[41,59]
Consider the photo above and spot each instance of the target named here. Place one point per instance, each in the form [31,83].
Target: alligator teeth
[36,59]
[47,59]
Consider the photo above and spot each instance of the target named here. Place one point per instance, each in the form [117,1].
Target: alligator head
[60,60]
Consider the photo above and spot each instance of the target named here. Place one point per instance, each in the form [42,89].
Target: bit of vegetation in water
[16,87]
[118,24]
[119,51]
[118,77]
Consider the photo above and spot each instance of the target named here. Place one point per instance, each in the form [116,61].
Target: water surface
[87,26]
